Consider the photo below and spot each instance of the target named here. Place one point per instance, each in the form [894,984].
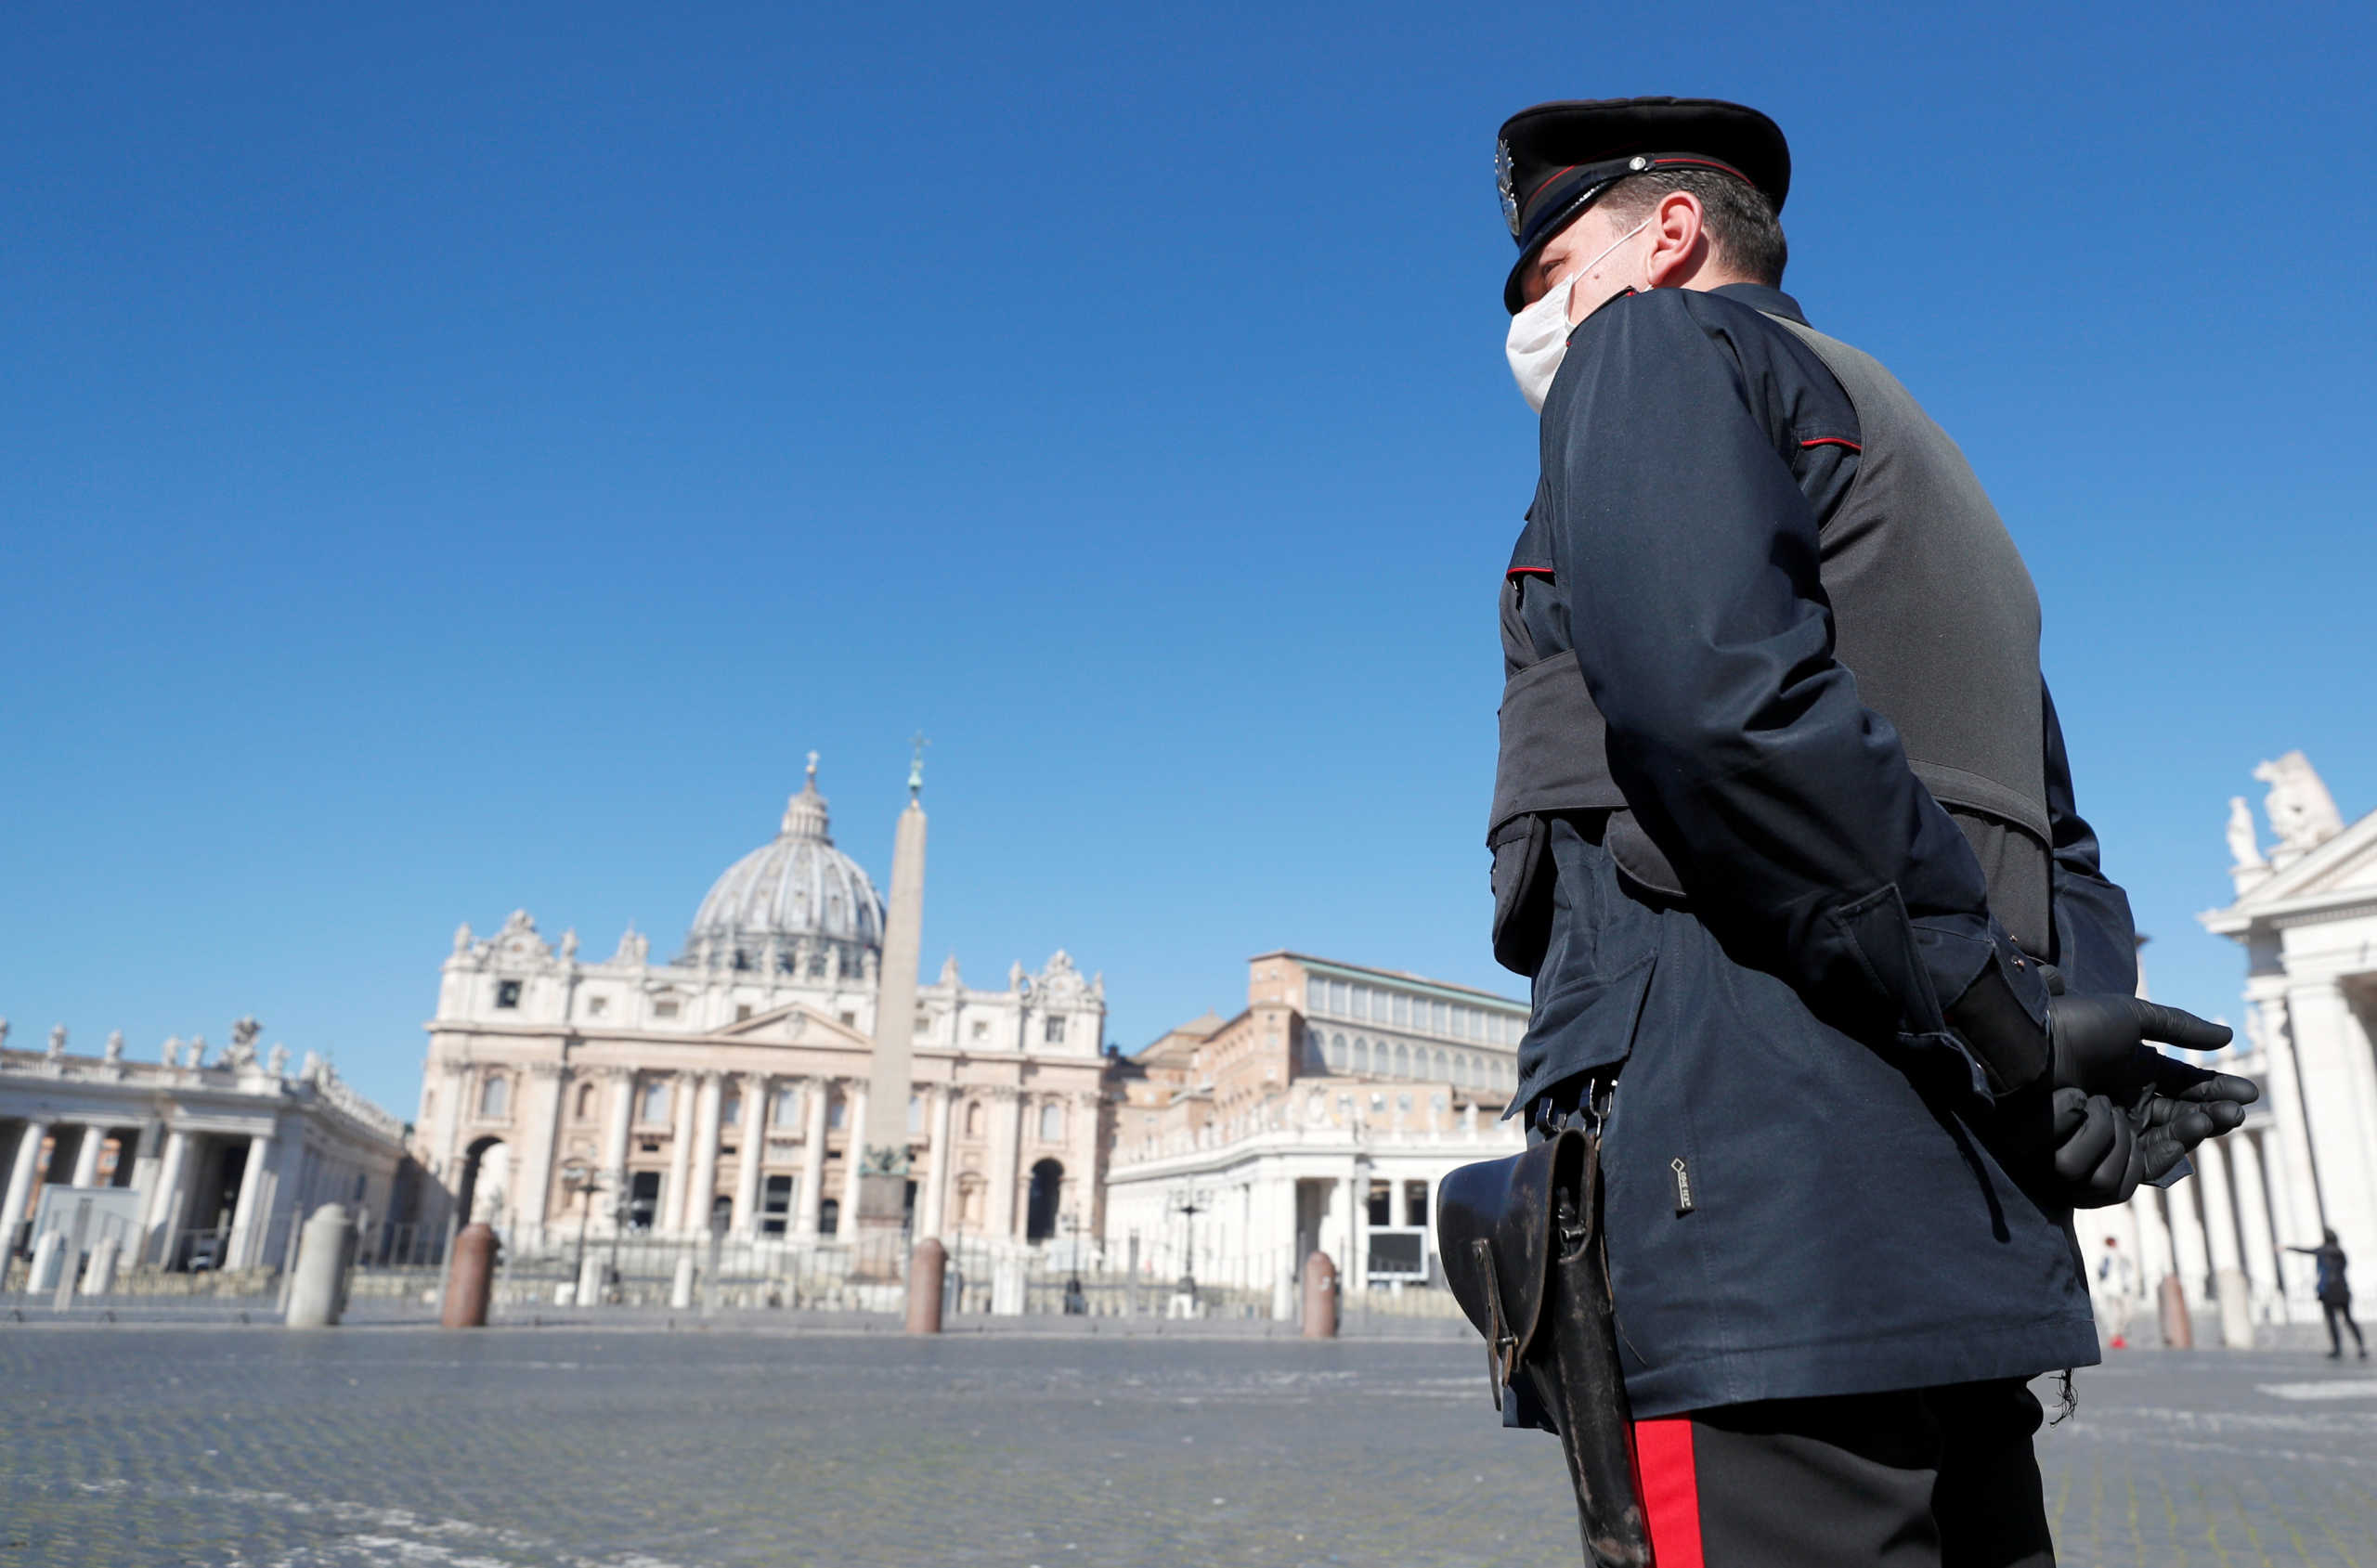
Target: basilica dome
[795,906]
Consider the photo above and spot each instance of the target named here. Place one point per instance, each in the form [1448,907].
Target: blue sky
[462,458]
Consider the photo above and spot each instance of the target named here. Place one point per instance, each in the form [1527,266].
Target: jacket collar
[1757,296]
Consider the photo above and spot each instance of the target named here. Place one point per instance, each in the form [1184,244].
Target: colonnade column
[853,1156]
[2187,1239]
[2153,1240]
[1354,1199]
[2220,1231]
[86,1154]
[22,1173]
[812,1157]
[247,1216]
[752,1142]
[2332,1050]
[1006,1148]
[930,1203]
[700,1195]
[2252,1219]
[165,1200]
[669,1220]
[2293,1182]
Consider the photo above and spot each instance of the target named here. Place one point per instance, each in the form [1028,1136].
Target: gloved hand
[2096,1043]
[2097,1157]
[2183,1105]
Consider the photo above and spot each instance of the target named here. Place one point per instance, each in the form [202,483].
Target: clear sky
[461,457]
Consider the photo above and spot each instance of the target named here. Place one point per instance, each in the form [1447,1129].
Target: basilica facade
[725,1091]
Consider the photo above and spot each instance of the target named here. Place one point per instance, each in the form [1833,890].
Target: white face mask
[1539,337]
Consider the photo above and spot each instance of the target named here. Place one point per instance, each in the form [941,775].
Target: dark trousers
[1921,1478]
[2333,1310]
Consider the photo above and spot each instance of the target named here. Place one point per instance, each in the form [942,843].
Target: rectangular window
[1052,1029]
[730,1112]
[742,1012]
[1382,1203]
[643,1199]
[837,1110]
[1443,1016]
[597,1005]
[1316,995]
[507,993]
[653,1106]
[1340,998]
[665,1009]
[1415,1203]
[1361,1001]
[786,1114]
[1402,1008]
[775,1206]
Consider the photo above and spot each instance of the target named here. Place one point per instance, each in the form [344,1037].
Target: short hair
[1739,220]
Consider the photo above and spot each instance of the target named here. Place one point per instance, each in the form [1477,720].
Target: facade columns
[446,1155]
[2253,1220]
[681,1155]
[2153,1240]
[253,1210]
[532,1174]
[751,1141]
[2332,1050]
[165,1204]
[2294,1182]
[621,1112]
[932,1202]
[1349,1266]
[812,1157]
[1007,1140]
[23,1171]
[853,1156]
[702,1194]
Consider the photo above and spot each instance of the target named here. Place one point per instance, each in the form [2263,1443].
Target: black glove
[2098,1042]
[2182,1105]
[2099,1156]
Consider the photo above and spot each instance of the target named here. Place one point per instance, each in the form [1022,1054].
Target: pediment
[793,1024]
[2344,868]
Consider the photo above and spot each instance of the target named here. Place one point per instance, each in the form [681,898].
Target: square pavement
[646,1448]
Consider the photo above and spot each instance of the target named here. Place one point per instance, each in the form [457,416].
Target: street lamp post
[580,1177]
[1189,1209]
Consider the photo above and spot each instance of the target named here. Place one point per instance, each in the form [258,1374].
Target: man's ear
[1678,245]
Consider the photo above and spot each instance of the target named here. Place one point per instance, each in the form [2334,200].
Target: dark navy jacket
[1790,1211]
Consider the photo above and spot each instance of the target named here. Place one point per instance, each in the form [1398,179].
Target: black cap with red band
[1551,160]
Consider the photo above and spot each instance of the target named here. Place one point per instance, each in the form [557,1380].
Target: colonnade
[2220,1232]
[161,1176]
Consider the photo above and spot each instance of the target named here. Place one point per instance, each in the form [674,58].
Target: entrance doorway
[1047,1188]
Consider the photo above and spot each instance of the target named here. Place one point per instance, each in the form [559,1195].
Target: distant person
[2335,1294]
[2116,1293]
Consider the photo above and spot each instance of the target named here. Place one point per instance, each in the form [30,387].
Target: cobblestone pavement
[363,1446]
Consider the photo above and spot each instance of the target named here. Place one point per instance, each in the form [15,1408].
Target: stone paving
[609,1448]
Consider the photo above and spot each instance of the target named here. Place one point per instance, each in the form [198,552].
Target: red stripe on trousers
[1670,1491]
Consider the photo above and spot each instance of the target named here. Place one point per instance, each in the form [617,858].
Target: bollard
[680,1289]
[1320,1297]
[589,1282]
[470,1279]
[926,1266]
[315,1293]
[2178,1330]
[43,1275]
[98,1279]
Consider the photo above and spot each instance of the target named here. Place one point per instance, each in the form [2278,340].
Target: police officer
[1784,836]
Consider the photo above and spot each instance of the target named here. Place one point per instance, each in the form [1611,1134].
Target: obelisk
[883,1178]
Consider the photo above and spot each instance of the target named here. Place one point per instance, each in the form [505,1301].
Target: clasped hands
[2123,1112]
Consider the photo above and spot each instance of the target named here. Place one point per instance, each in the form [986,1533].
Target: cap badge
[1503,184]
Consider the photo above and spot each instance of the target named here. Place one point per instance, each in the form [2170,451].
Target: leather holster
[1522,1249]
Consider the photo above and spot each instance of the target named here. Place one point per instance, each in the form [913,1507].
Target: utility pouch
[1522,880]
[1522,1249]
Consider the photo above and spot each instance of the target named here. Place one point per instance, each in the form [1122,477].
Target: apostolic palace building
[727,1087]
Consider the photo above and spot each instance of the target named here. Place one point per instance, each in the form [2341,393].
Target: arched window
[1361,1055]
[974,1120]
[1337,1053]
[653,1106]
[1052,1122]
[1402,1060]
[495,1097]
[585,1102]
[1460,1072]
[1443,1064]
